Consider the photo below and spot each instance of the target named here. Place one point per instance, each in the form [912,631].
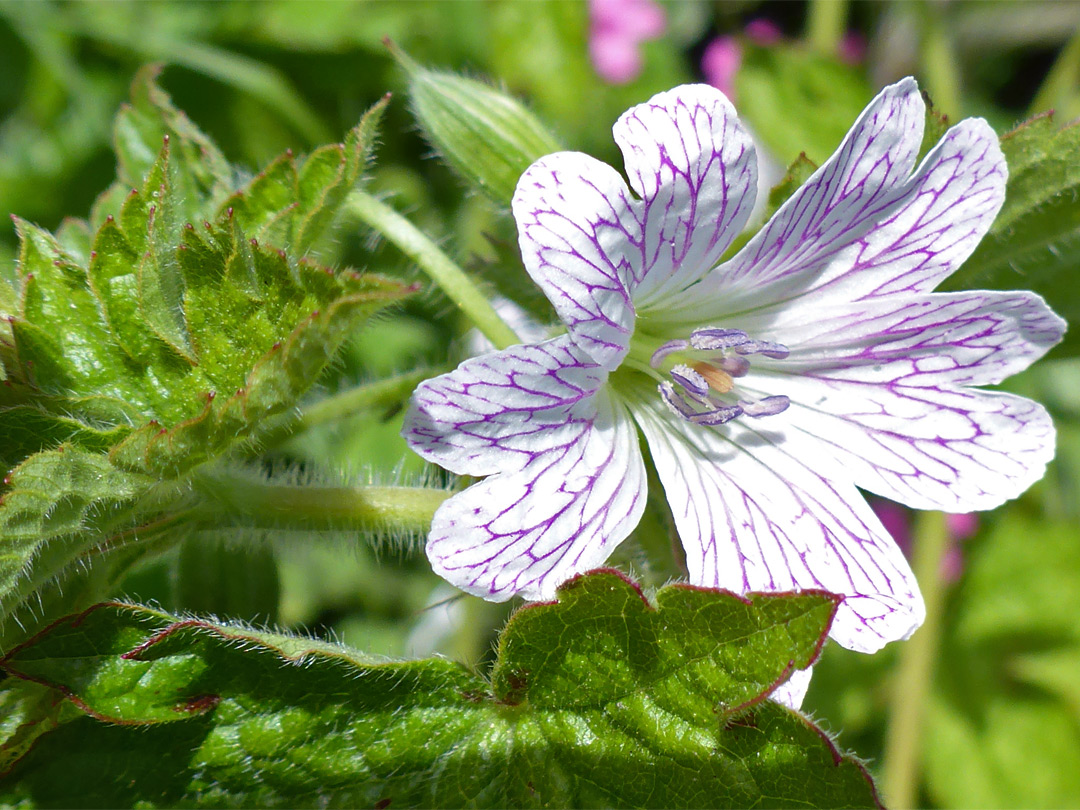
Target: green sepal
[935,126]
[484,134]
[664,705]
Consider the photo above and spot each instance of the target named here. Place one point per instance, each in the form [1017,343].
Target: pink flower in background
[897,521]
[723,55]
[852,50]
[616,30]
[720,63]
[761,31]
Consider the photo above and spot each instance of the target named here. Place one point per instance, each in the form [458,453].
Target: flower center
[702,389]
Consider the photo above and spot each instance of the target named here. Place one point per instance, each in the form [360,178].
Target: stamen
[711,338]
[777,351]
[768,406]
[693,381]
[676,401]
[722,414]
[735,366]
[701,390]
[668,348]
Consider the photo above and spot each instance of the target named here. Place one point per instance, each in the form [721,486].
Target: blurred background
[1003,728]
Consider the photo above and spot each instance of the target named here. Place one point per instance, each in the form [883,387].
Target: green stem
[1063,78]
[379,394]
[907,708]
[438,266]
[826,24]
[939,62]
[266,505]
[376,394]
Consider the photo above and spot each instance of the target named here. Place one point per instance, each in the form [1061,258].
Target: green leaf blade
[1034,243]
[245,717]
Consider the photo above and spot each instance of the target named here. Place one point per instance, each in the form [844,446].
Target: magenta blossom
[616,30]
[897,520]
[769,387]
[723,55]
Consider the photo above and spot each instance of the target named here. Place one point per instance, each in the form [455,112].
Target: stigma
[703,390]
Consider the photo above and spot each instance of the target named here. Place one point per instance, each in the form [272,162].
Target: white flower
[768,387]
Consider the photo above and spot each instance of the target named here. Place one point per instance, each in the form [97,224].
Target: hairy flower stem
[452,279]
[907,708]
[825,25]
[378,394]
[266,505]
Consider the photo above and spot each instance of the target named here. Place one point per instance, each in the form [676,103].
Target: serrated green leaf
[27,429]
[51,497]
[1034,243]
[329,175]
[164,347]
[28,710]
[610,709]
[138,133]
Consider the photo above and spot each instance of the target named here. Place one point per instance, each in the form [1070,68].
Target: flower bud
[484,134]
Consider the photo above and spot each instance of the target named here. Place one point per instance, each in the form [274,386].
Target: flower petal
[578,231]
[953,449]
[792,692]
[923,339]
[943,213]
[527,531]
[880,386]
[839,204]
[496,412]
[695,169]
[753,516]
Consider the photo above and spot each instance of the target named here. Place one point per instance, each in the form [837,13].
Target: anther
[711,338]
[768,406]
[675,401]
[735,366]
[718,416]
[777,351]
[718,379]
[670,347]
[692,380]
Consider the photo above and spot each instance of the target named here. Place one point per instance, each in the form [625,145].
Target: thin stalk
[1062,80]
[451,279]
[263,504]
[907,708]
[378,394]
[825,25]
[939,62]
